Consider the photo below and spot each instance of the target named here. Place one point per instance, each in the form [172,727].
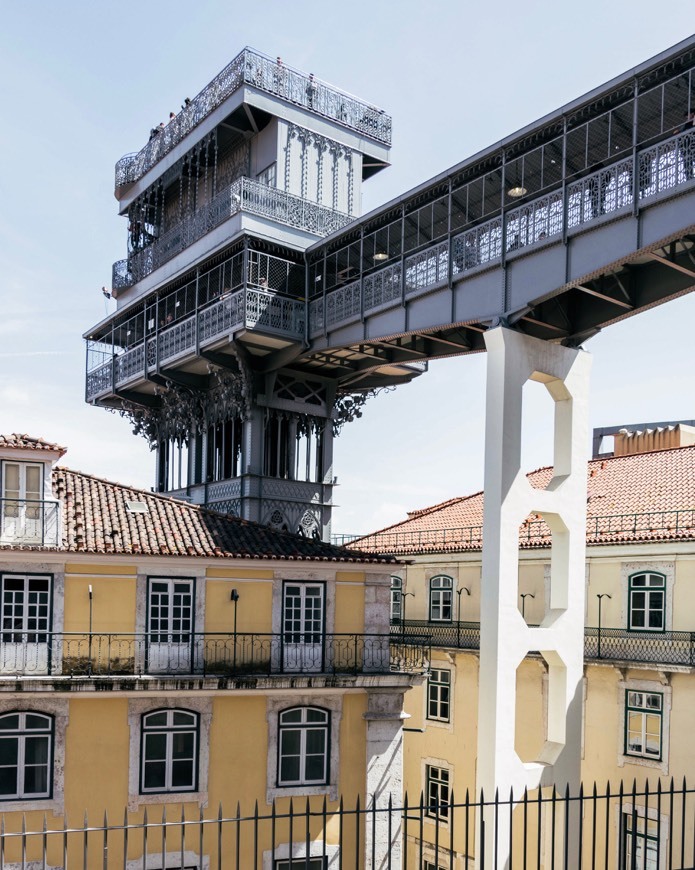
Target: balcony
[250,67]
[600,644]
[244,195]
[249,290]
[210,654]
[29,523]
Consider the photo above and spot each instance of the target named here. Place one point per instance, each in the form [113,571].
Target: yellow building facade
[158,658]
[638,704]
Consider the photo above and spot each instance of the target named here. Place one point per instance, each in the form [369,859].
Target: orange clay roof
[26,442]
[96,519]
[641,497]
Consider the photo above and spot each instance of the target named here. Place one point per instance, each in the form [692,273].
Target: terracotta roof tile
[641,497]
[96,519]
[27,442]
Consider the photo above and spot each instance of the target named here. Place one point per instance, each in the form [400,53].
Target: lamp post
[524,596]
[235,598]
[404,595]
[91,595]
[600,596]
[458,612]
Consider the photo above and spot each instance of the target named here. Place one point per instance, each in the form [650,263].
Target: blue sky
[83,82]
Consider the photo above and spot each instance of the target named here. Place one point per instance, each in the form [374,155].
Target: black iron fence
[77,654]
[613,644]
[608,828]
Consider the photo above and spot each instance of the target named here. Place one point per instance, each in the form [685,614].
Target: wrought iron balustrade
[245,195]
[612,644]
[29,522]
[84,654]
[598,826]
[606,528]
[606,193]
[253,68]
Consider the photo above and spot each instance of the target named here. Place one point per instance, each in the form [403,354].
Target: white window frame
[436,783]
[139,707]
[628,811]
[298,850]
[58,711]
[651,687]
[649,586]
[21,734]
[332,704]
[436,688]
[169,731]
[438,587]
[630,569]
[269,175]
[303,727]
[396,600]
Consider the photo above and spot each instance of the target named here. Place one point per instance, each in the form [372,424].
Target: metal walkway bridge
[577,221]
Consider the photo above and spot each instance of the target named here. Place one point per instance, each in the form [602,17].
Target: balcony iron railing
[84,654]
[611,644]
[648,525]
[598,826]
[252,68]
[28,522]
[608,193]
[244,195]
[251,308]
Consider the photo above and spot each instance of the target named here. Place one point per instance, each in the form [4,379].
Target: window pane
[36,750]
[291,716]
[315,715]
[35,722]
[315,741]
[289,742]
[36,780]
[289,769]
[156,720]
[155,746]
[155,773]
[181,718]
[8,750]
[182,774]
[183,745]
[9,723]
[8,780]
[315,768]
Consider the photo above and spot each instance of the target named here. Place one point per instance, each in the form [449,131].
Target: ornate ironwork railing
[230,654]
[28,522]
[253,68]
[251,307]
[605,194]
[245,195]
[634,825]
[613,644]
[677,524]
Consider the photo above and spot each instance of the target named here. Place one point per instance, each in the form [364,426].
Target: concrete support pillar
[384,717]
[505,638]
[252,453]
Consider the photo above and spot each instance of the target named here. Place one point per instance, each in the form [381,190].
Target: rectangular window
[268,175]
[170,624]
[647,593]
[21,507]
[640,846]
[439,695]
[429,865]
[643,724]
[437,792]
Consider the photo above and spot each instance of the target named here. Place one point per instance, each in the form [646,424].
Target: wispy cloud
[40,353]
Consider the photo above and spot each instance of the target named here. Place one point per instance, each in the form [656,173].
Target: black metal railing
[607,827]
[29,522]
[612,644]
[675,524]
[81,654]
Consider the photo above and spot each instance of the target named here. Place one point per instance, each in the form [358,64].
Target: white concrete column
[384,778]
[505,638]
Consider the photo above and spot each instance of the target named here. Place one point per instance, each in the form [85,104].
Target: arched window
[169,760]
[26,755]
[441,594]
[396,600]
[647,602]
[303,746]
